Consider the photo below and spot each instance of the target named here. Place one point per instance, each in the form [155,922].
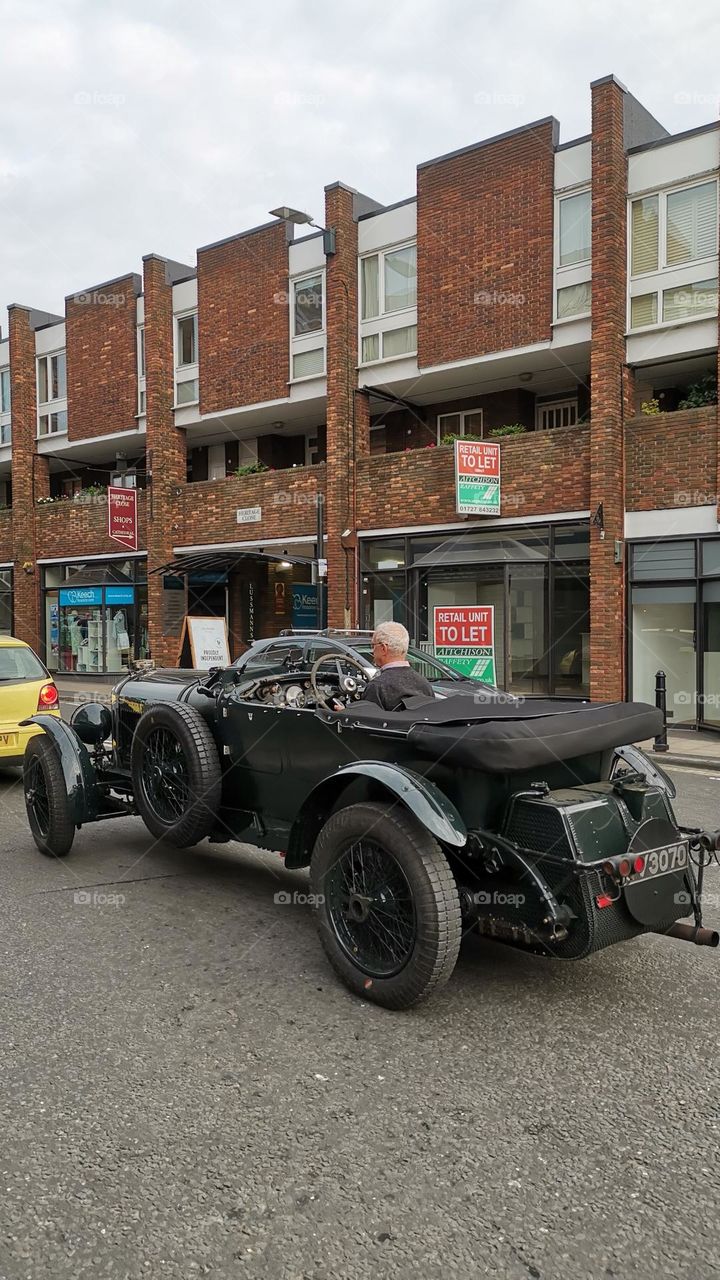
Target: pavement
[188,1091]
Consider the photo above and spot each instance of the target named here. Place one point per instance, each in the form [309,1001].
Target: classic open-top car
[532,823]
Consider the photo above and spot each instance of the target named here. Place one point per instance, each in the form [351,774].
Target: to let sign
[477,478]
[464,637]
[122,516]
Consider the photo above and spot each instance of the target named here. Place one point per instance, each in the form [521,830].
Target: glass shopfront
[96,616]
[6,602]
[675,626]
[536,577]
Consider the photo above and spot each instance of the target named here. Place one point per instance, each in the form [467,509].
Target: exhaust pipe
[696,933]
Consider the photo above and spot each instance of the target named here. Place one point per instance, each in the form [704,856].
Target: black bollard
[661,742]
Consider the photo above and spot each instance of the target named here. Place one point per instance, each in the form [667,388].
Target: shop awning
[227,560]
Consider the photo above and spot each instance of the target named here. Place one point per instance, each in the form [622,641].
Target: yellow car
[26,687]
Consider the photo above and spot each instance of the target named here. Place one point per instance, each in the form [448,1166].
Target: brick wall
[542,472]
[671,459]
[206,511]
[243,326]
[101,344]
[485,247]
[75,528]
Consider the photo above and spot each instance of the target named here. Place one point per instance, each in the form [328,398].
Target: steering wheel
[347,685]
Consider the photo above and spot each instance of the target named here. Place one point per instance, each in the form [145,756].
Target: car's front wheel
[176,773]
[46,799]
[386,904]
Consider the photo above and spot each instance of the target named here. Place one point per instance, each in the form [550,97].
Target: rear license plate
[660,862]
[8,739]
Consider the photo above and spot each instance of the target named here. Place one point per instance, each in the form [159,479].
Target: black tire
[46,798]
[176,774]
[406,949]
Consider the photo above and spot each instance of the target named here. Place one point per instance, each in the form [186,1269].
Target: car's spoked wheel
[387,905]
[46,799]
[165,775]
[371,909]
[176,773]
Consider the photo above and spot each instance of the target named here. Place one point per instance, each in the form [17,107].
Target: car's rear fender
[388,781]
[77,767]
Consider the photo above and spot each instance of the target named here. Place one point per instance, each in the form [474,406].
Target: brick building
[547,291]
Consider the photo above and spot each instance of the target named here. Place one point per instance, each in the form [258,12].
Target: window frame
[666,277]
[316,340]
[5,406]
[560,199]
[567,402]
[185,373]
[141,371]
[50,409]
[462,414]
[385,321]
[571,274]
[662,194]
[295,282]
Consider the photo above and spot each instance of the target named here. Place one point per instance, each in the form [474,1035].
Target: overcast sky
[144,126]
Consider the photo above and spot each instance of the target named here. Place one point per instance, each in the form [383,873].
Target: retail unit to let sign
[122,516]
[477,478]
[464,637]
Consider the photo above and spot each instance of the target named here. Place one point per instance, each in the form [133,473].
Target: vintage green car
[533,823]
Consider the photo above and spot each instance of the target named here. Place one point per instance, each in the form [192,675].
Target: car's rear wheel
[176,774]
[387,906]
[46,798]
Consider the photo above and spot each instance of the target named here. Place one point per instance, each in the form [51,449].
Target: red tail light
[48,698]
[604,900]
[623,867]
[639,864]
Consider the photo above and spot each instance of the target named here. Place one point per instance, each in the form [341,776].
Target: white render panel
[306,256]
[674,162]
[671,521]
[185,296]
[573,166]
[676,340]
[50,339]
[384,229]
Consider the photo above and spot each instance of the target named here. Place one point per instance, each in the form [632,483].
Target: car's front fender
[419,796]
[78,771]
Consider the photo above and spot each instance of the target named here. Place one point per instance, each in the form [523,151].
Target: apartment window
[52,378]
[674,228]
[52,394]
[371,348]
[186,359]
[141,370]
[556,413]
[691,300]
[574,300]
[51,424]
[4,390]
[469,422]
[643,310]
[308,306]
[574,229]
[399,342]
[389,282]
[309,364]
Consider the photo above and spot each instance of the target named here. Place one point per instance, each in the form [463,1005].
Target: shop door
[663,639]
[479,584]
[527,642]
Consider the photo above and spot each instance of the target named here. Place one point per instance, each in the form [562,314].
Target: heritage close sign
[477,478]
[122,516]
[464,637]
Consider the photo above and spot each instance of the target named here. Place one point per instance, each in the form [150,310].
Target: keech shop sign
[122,516]
[464,637]
[477,478]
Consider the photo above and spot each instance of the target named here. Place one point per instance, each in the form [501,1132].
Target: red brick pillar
[30,477]
[348,423]
[166,451]
[610,389]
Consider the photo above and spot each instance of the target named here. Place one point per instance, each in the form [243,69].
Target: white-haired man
[396,679]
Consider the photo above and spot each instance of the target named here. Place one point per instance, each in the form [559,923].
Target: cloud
[166,126]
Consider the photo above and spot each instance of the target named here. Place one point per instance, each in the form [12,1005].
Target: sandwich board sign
[207,642]
[464,638]
[477,478]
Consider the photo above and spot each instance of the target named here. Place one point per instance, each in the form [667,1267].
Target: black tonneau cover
[504,737]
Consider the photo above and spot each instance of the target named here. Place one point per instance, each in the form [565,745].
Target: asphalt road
[188,1091]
